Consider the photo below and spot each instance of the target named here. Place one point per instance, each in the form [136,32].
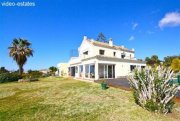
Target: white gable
[85,46]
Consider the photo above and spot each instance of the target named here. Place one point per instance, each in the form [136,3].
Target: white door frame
[106,70]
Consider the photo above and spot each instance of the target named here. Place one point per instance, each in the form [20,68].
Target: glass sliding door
[110,71]
[73,71]
[101,71]
[81,71]
[105,71]
[92,71]
[113,66]
[87,71]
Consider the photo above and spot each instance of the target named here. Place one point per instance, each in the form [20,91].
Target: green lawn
[56,99]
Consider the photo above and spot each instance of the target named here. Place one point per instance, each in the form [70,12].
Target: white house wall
[85,46]
[121,68]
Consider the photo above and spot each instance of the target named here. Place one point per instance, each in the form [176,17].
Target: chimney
[85,38]
[110,42]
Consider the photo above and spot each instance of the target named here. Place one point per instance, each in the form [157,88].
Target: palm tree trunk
[20,69]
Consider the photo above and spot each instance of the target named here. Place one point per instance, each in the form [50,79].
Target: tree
[102,38]
[53,69]
[175,65]
[168,60]
[3,70]
[30,71]
[20,51]
[148,61]
[153,61]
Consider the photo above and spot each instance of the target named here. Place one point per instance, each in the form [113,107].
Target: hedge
[9,77]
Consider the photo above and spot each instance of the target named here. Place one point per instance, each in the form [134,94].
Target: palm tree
[20,51]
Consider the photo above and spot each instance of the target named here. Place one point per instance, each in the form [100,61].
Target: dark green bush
[170,105]
[9,77]
[3,70]
[32,74]
[152,106]
[46,75]
[155,106]
[135,95]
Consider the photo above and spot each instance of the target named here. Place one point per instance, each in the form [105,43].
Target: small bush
[46,75]
[135,95]
[9,77]
[155,106]
[152,106]
[3,70]
[32,75]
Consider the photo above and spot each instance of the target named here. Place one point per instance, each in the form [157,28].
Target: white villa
[99,60]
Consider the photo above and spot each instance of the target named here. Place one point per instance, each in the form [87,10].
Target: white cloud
[134,25]
[131,38]
[170,20]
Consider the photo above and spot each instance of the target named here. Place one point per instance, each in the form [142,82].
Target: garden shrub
[9,77]
[33,75]
[46,75]
[152,106]
[3,70]
[152,88]
[135,95]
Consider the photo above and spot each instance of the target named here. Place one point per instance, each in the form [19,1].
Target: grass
[62,99]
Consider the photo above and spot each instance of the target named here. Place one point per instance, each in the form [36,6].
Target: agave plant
[152,88]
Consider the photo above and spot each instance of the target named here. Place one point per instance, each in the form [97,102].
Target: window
[114,54]
[122,55]
[143,67]
[81,68]
[132,67]
[92,71]
[101,52]
[85,53]
[87,70]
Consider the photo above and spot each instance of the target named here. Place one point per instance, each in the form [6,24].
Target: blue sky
[55,27]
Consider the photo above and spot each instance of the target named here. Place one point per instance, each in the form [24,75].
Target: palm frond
[20,51]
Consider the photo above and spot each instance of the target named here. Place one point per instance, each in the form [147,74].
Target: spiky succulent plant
[152,88]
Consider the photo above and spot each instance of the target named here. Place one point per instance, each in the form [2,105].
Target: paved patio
[123,83]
